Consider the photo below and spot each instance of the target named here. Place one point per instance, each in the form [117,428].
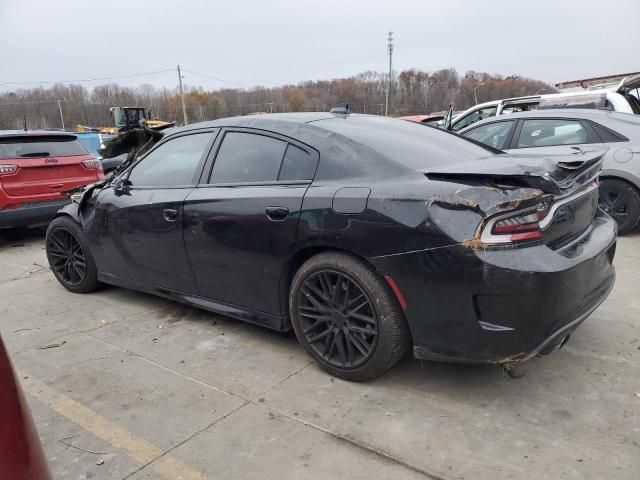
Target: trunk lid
[563,188]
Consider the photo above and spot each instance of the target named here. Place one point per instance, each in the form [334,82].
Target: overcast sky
[272,42]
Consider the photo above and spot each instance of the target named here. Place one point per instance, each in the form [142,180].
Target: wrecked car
[367,236]
[545,132]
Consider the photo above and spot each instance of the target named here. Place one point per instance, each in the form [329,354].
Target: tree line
[412,92]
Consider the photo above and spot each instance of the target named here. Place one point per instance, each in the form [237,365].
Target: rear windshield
[30,147]
[415,145]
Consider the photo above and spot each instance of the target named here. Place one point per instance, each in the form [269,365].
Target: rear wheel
[69,257]
[621,201]
[346,316]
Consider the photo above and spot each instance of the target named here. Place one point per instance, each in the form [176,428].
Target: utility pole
[388,92]
[475,91]
[184,106]
[60,110]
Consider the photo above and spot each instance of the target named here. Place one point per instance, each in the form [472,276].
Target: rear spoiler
[555,174]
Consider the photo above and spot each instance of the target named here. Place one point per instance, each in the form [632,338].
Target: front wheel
[346,316]
[69,257]
[621,201]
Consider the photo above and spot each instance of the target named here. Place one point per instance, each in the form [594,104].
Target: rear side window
[174,163]
[248,157]
[607,135]
[254,158]
[45,146]
[551,132]
[297,165]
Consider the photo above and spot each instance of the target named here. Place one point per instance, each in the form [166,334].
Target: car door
[241,222]
[553,136]
[496,134]
[139,219]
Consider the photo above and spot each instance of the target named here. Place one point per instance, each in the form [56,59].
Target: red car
[35,168]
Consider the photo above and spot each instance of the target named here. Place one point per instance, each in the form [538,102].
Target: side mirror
[122,186]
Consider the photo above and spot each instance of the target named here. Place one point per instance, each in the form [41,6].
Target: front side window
[495,134]
[174,163]
[551,132]
[248,157]
[474,117]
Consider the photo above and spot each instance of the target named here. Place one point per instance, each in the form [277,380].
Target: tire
[622,201]
[69,256]
[362,331]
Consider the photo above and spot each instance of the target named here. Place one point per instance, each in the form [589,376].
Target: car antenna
[343,109]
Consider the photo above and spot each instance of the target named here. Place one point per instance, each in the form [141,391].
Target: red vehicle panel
[35,168]
[21,456]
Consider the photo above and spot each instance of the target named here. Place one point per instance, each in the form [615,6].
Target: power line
[91,79]
[134,75]
[216,78]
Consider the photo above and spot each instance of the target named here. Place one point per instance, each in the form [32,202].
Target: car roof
[35,133]
[550,112]
[293,117]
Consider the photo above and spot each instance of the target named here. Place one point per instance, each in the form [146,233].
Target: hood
[554,174]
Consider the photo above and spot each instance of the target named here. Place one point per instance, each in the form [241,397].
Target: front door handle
[170,215]
[277,214]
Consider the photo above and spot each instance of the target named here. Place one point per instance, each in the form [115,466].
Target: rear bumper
[501,306]
[31,215]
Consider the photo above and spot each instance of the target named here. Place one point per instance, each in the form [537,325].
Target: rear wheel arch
[392,333]
[635,204]
[613,175]
[298,260]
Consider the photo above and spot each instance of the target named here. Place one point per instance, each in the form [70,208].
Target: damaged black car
[367,236]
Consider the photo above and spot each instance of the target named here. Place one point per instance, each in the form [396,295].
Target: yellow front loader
[126,118]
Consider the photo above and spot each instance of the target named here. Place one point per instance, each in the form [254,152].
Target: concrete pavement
[160,390]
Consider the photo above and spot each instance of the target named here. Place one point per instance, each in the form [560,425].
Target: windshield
[415,145]
[31,147]
[90,142]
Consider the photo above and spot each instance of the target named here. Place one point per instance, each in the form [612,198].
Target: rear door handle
[170,215]
[277,214]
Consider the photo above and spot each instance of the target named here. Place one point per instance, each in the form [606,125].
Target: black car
[364,234]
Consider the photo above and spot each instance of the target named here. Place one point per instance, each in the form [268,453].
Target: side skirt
[274,322]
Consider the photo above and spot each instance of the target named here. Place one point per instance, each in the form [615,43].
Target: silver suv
[618,98]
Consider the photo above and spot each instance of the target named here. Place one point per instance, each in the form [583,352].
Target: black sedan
[366,235]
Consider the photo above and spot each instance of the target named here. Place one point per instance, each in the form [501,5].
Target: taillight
[93,164]
[514,228]
[8,169]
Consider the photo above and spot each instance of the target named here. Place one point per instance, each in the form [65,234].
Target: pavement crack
[367,448]
[280,382]
[189,438]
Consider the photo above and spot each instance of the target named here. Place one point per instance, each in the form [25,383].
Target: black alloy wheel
[68,259]
[621,201]
[337,318]
[347,317]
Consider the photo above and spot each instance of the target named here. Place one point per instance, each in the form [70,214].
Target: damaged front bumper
[502,305]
